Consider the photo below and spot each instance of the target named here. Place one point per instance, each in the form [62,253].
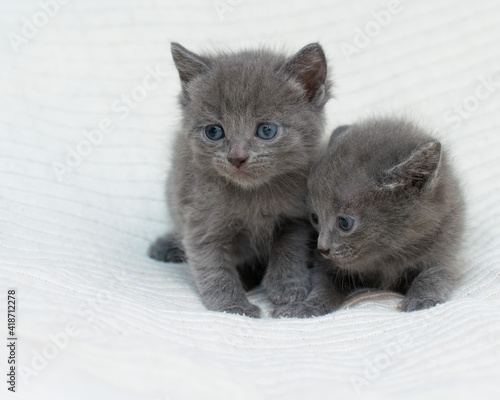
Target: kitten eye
[267,131]
[314,218]
[346,223]
[214,132]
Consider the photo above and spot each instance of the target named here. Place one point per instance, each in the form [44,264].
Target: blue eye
[267,131]
[346,223]
[314,218]
[214,132]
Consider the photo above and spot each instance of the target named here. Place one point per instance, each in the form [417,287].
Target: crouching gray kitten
[251,126]
[389,213]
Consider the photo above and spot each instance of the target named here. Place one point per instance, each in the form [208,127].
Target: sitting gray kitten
[389,213]
[251,128]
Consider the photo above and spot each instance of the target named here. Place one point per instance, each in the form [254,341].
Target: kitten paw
[287,289]
[300,310]
[249,310]
[167,248]
[414,304]
[287,292]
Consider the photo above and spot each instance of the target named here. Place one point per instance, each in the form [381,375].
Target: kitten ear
[336,132]
[188,63]
[308,67]
[418,171]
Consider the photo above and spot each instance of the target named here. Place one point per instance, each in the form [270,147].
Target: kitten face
[251,116]
[354,230]
[374,193]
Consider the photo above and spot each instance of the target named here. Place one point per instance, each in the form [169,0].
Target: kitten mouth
[243,176]
[239,171]
[341,260]
[240,175]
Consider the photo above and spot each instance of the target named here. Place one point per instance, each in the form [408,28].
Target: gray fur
[398,184]
[229,221]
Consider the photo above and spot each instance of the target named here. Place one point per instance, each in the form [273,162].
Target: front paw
[243,308]
[250,310]
[301,310]
[411,303]
[284,291]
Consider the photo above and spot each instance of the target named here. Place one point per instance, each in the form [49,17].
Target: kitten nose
[324,249]
[324,242]
[237,161]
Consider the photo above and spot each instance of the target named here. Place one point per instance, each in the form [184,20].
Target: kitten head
[252,115]
[378,191]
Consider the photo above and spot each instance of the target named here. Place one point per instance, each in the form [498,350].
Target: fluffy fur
[252,218]
[397,184]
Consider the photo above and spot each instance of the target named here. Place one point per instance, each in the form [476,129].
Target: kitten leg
[287,277]
[167,248]
[218,281]
[430,287]
[324,298]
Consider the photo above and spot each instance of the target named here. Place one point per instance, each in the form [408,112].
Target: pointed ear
[188,63]
[336,132]
[308,68]
[417,172]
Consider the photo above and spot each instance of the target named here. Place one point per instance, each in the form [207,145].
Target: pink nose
[237,161]
[324,242]
[324,250]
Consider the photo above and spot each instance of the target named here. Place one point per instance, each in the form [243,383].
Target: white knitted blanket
[87,112]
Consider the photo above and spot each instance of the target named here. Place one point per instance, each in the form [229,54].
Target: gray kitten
[389,213]
[251,128]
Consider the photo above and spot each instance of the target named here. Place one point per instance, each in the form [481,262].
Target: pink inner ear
[313,78]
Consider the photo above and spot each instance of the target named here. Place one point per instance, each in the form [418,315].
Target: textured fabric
[97,319]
